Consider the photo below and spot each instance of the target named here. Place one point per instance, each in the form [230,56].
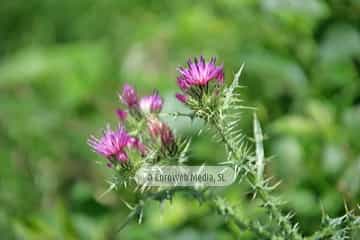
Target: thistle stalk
[217,203]
[289,231]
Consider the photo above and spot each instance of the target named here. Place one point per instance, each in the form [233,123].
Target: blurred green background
[63,62]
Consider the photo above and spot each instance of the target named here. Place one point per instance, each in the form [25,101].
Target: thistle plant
[144,139]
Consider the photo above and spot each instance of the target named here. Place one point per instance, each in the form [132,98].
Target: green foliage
[61,63]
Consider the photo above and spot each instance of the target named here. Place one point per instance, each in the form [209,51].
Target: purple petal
[121,114]
[199,73]
[152,103]
[129,96]
[182,98]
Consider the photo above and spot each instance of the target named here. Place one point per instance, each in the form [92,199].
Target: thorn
[323,213]
[346,207]
[254,195]
[140,216]
[111,187]
[127,204]
[131,215]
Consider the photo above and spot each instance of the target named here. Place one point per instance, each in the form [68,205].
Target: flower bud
[121,114]
[129,96]
[159,130]
[152,103]
[181,97]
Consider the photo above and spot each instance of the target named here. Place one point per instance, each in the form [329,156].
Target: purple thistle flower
[152,103]
[199,73]
[129,96]
[181,97]
[112,144]
[121,114]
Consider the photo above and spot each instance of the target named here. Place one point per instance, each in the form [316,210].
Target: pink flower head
[112,144]
[152,103]
[121,114]
[129,96]
[199,73]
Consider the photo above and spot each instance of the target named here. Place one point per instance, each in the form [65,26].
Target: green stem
[289,230]
[168,194]
[178,114]
[263,194]
[322,234]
